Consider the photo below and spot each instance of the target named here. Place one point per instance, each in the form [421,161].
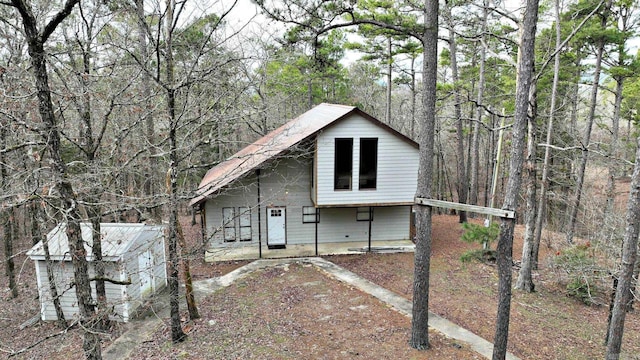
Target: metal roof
[277,142]
[268,147]
[117,239]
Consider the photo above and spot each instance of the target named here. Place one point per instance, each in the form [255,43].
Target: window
[236,224]
[310,215]
[343,164]
[364,213]
[368,163]
[229,223]
[244,223]
[275,212]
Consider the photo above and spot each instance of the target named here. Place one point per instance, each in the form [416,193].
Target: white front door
[276,226]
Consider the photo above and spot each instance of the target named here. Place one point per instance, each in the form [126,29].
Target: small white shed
[131,252]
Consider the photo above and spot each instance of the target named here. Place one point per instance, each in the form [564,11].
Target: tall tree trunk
[94,213]
[634,281]
[413,98]
[610,190]
[420,313]
[547,149]
[6,219]
[575,204]
[50,131]
[475,140]
[629,258]
[177,334]
[36,232]
[188,281]
[7,223]
[526,59]
[151,177]
[387,111]
[525,278]
[93,209]
[462,174]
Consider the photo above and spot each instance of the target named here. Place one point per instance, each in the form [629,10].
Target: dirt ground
[546,324]
[288,313]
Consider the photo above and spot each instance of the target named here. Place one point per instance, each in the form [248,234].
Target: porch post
[370,218]
[316,223]
[259,217]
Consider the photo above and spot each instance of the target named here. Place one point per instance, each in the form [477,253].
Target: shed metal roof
[276,142]
[117,239]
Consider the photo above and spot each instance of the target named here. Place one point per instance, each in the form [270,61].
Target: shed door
[276,226]
[145,268]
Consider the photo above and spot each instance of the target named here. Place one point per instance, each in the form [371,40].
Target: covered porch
[252,251]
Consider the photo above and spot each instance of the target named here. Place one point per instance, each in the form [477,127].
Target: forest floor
[295,311]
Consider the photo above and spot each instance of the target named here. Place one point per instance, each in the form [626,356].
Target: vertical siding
[397,170]
[123,298]
[63,273]
[160,265]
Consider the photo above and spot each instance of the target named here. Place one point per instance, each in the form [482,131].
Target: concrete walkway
[142,330]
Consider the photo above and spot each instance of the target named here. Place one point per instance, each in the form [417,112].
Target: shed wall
[63,273]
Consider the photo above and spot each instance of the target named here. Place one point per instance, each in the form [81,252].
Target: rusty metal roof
[275,143]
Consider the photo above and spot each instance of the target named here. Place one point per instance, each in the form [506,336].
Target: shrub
[482,235]
[580,273]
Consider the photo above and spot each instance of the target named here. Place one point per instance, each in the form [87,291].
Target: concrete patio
[243,251]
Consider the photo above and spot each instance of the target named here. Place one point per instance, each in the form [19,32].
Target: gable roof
[117,239]
[275,143]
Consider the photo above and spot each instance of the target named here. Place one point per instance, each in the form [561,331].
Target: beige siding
[242,193]
[340,224]
[397,169]
[285,182]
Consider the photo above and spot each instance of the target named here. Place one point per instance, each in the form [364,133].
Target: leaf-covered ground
[298,312]
[546,324]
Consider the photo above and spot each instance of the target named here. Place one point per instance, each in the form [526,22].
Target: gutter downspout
[203,224]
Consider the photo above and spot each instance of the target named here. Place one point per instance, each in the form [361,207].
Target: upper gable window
[343,164]
[368,163]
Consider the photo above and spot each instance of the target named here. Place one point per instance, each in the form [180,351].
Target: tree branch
[116,282]
[566,40]
[57,19]
[50,336]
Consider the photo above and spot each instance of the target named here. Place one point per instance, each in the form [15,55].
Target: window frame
[366,160]
[340,158]
[228,224]
[310,215]
[244,212]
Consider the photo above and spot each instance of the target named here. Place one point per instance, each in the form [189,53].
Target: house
[131,253]
[334,174]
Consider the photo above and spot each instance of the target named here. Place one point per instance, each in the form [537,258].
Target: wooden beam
[509,214]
